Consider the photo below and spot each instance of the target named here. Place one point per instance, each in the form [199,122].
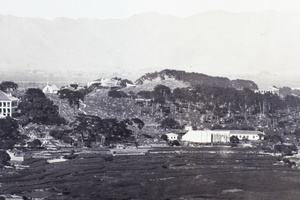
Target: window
[0,110]
[8,104]
[1,104]
[8,110]
[4,104]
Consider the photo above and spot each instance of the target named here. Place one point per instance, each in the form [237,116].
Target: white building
[172,136]
[50,89]
[105,82]
[271,89]
[17,156]
[207,136]
[249,135]
[8,104]
[220,136]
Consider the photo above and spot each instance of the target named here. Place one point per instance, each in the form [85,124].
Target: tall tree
[72,96]
[92,128]
[169,123]
[160,93]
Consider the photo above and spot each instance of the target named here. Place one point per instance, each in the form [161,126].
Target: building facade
[270,89]
[8,104]
[172,136]
[50,89]
[220,136]
[106,83]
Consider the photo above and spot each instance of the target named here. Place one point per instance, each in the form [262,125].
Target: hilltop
[168,77]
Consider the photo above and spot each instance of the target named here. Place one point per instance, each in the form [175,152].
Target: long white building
[220,136]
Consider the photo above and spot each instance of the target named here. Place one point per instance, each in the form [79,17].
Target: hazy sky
[267,58]
[103,9]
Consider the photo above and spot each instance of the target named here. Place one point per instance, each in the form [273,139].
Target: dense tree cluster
[4,158]
[169,123]
[93,128]
[74,97]
[117,94]
[34,143]
[63,135]
[123,82]
[223,101]
[37,108]
[161,93]
[198,79]
[9,134]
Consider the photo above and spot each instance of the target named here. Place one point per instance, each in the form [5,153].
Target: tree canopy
[36,107]
[5,86]
[161,93]
[72,96]
[169,123]
[4,158]
[117,94]
[92,128]
[9,134]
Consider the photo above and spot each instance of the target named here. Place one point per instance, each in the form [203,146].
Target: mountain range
[261,46]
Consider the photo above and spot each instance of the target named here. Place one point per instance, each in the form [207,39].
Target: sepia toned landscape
[168,135]
[137,99]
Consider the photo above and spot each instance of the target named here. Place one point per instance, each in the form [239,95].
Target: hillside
[149,85]
[193,79]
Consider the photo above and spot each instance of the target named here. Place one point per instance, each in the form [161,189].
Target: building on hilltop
[270,89]
[106,83]
[8,104]
[50,89]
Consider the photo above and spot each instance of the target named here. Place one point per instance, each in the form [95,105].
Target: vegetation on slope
[197,79]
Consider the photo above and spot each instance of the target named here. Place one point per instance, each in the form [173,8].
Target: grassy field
[165,173]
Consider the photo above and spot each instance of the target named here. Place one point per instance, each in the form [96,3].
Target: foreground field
[194,173]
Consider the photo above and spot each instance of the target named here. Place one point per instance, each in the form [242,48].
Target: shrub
[285,149]
[174,143]
[164,137]
[117,94]
[4,158]
[169,123]
[147,136]
[56,134]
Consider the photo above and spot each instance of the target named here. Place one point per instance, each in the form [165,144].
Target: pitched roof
[172,134]
[53,87]
[6,97]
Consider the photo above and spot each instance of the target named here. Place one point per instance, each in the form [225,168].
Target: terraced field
[164,173]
